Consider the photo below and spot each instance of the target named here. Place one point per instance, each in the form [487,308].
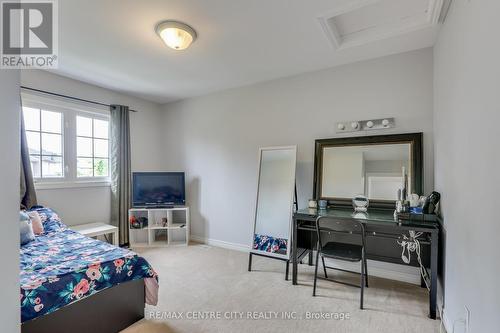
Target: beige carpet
[198,279]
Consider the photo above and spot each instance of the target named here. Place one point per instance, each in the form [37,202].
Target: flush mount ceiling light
[176,35]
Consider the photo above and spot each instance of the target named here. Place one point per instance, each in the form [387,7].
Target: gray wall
[215,138]
[82,205]
[9,200]
[467,160]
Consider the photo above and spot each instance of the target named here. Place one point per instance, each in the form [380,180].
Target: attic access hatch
[366,21]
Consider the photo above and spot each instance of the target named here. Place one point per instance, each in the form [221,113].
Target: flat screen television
[158,189]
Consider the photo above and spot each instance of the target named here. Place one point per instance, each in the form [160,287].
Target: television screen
[158,189]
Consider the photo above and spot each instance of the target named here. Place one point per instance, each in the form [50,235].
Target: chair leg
[366,274]
[316,272]
[324,266]
[362,283]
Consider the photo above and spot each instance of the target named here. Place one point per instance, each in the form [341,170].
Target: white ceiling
[112,43]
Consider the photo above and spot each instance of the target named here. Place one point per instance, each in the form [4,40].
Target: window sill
[76,184]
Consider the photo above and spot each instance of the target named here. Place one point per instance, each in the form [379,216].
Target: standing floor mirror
[274,206]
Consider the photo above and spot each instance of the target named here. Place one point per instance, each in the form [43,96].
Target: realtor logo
[29,34]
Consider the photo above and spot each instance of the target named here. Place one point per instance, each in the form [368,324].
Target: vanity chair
[327,228]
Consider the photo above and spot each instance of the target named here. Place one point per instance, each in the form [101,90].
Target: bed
[90,285]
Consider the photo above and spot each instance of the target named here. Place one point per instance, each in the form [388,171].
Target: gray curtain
[28,194]
[120,170]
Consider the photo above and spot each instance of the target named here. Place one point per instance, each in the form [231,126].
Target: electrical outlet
[467,319]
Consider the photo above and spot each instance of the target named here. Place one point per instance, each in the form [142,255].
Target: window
[44,133]
[92,147]
[68,143]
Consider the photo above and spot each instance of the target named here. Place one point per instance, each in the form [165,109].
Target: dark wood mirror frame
[416,181]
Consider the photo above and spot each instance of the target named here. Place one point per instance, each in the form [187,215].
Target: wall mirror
[372,166]
[275,197]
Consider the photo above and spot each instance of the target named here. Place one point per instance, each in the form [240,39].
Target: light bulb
[176,39]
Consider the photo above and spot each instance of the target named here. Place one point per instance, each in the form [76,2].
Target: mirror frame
[292,195]
[416,181]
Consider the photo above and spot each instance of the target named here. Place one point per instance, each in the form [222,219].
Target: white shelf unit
[160,227]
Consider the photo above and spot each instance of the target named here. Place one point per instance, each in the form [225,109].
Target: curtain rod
[69,97]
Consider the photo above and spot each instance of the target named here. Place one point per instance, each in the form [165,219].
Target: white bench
[97,229]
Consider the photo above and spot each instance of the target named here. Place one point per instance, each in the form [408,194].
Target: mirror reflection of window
[375,171]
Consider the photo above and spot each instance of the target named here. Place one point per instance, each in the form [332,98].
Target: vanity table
[377,168]
[382,234]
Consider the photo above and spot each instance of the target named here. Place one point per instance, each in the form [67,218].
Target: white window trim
[42,99]
[69,110]
[51,185]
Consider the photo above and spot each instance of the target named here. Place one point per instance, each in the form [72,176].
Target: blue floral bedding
[62,266]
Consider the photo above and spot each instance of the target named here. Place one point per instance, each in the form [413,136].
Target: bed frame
[108,311]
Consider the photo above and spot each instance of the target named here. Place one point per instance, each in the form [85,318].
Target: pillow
[36,222]
[23,216]
[26,229]
[50,220]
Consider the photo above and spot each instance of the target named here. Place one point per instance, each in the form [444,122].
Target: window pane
[84,147]
[35,166]
[52,166]
[83,126]
[51,121]
[101,167]
[33,142]
[100,148]
[31,119]
[51,144]
[84,167]
[101,128]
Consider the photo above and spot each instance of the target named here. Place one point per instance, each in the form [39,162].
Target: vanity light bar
[364,125]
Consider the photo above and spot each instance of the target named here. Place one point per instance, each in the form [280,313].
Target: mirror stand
[287,261]
[287,267]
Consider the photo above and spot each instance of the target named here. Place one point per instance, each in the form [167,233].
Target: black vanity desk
[382,233]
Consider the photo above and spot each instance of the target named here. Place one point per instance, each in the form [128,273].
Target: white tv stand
[159,227]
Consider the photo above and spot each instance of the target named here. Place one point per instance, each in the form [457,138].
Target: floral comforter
[62,266]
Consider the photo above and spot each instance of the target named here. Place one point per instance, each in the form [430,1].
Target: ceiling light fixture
[176,35]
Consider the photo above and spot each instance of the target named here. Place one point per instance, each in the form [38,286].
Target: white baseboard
[446,322]
[222,244]
[396,272]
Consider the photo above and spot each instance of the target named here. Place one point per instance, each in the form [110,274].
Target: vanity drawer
[382,244]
